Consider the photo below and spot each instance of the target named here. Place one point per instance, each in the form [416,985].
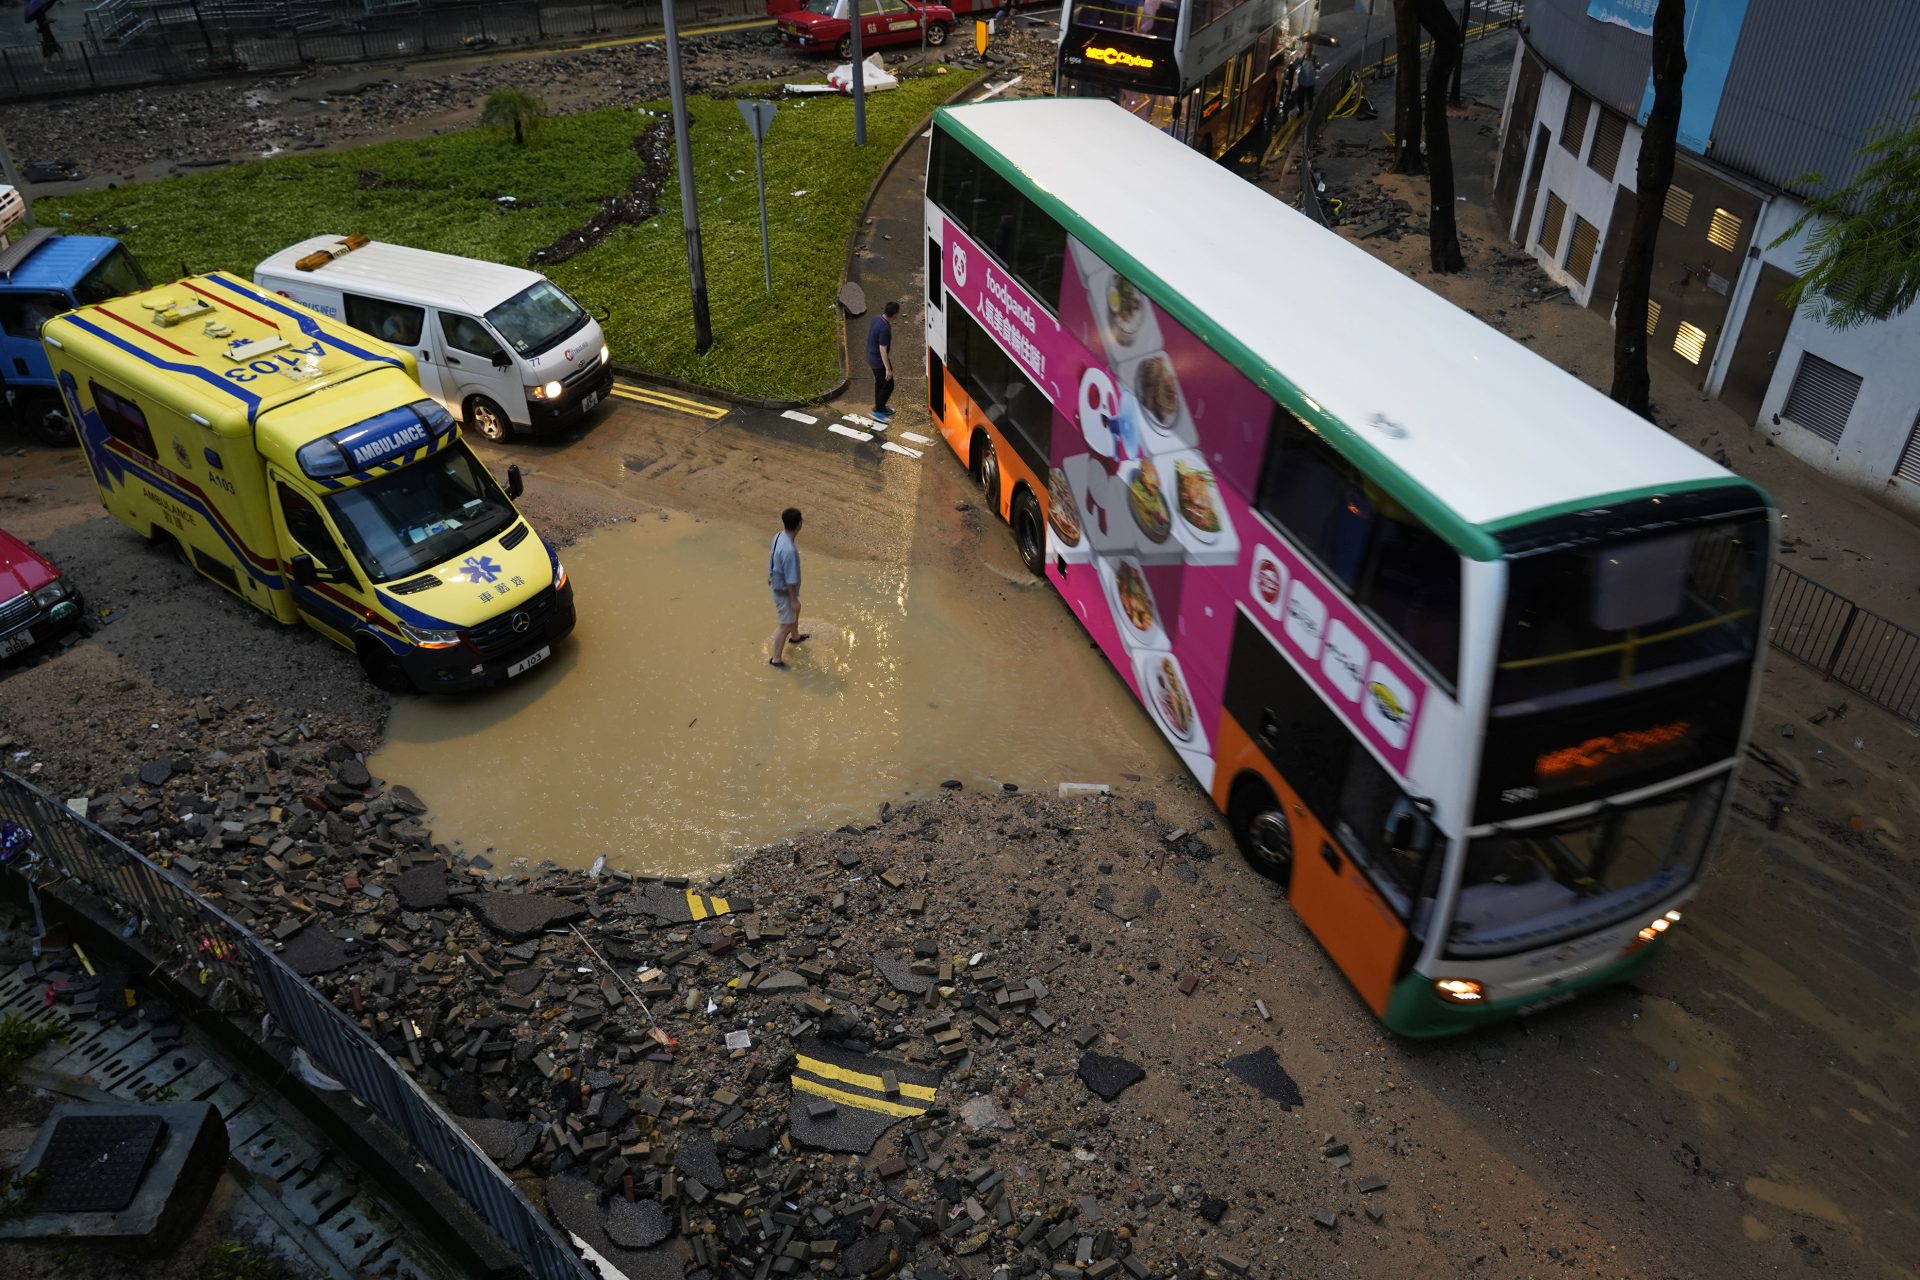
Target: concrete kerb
[853,245]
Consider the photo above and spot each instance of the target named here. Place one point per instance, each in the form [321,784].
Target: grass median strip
[475,194]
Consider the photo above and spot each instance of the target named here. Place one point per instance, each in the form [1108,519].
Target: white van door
[488,380]
[401,324]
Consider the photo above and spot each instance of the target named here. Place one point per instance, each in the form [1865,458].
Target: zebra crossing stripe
[837,429]
[891,447]
[806,419]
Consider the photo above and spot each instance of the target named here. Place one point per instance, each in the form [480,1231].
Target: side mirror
[305,573]
[515,485]
[501,360]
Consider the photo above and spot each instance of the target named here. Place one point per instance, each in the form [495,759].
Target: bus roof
[233,353]
[407,275]
[1459,422]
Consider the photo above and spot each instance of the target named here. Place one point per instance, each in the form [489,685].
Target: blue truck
[42,274]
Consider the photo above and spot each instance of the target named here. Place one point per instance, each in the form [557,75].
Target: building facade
[1775,90]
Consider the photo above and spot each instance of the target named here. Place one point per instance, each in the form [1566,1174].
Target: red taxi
[36,603]
[823,26]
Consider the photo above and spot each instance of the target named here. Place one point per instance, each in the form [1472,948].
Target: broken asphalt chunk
[1109,1077]
[1263,1071]
[637,1224]
[522,915]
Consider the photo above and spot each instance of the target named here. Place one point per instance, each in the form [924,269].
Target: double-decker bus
[1201,70]
[1465,652]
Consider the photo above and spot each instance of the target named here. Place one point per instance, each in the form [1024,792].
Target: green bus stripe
[1506,523]
[1465,537]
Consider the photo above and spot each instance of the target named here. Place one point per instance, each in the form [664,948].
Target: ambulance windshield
[419,516]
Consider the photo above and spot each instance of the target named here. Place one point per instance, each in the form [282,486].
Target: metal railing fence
[213,51]
[205,948]
[1854,647]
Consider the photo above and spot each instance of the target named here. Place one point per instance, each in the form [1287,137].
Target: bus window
[1389,836]
[1392,566]
[1627,614]
[1003,392]
[1025,238]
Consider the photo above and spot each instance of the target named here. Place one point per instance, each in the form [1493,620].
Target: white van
[503,348]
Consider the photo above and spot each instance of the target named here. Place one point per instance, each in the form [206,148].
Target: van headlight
[427,638]
[606,354]
[546,391]
[51,594]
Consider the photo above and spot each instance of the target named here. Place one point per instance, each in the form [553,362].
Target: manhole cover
[93,1164]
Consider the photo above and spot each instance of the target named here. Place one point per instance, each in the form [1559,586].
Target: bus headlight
[1660,925]
[426,638]
[1458,990]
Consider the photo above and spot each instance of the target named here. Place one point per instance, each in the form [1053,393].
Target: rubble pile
[855,1054]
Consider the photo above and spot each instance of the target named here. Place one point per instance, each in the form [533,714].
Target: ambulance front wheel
[383,669]
[489,419]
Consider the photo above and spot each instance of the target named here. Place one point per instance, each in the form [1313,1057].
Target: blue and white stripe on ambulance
[239,393]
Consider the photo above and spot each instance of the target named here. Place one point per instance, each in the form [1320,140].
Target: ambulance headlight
[51,594]
[427,638]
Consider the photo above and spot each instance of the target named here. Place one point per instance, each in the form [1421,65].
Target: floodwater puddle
[658,735]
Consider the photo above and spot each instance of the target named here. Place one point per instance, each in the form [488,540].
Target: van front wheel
[489,419]
[383,669]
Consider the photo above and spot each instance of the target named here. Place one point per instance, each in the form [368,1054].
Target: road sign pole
[859,78]
[759,118]
[689,207]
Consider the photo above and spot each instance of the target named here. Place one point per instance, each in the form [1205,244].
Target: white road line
[848,431]
[998,89]
[908,435]
[798,416]
[891,447]
[871,424]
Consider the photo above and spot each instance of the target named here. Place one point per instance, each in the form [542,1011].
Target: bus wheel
[936,34]
[48,418]
[1261,830]
[489,419]
[1030,532]
[383,669]
[986,469]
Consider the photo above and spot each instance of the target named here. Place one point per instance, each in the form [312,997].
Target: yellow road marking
[855,1100]
[700,908]
[658,394]
[658,36]
[674,403]
[861,1078]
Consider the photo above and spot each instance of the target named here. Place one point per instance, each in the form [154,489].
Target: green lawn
[443,193]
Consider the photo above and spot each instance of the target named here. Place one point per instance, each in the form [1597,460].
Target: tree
[1406,88]
[1443,233]
[1862,262]
[512,109]
[1652,176]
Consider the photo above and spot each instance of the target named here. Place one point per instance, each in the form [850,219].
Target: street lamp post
[859,79]
[689,206]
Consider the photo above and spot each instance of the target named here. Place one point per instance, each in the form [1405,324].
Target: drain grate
[94,1164]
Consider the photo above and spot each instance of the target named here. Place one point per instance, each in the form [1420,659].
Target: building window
[1821,398]
[1550,228]
[1573,130]
[1679,206]
[1724,231]
[1586,237]
[1909,468]
[1607,137]
[1690,341]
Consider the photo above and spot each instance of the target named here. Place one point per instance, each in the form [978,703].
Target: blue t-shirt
[783,566]
[879,334]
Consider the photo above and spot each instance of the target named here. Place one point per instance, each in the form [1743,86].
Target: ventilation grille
[1821,398]
[514,536]
[1550,229]
[1679,206]
[1909,468]
[1580,258]
[1607,137]
[1690,341]
[1653,317]
[1573,130]
[413,586]
[1724,231]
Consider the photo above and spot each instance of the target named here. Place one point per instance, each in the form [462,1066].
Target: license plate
[19,642]
[532,660]
[592,399]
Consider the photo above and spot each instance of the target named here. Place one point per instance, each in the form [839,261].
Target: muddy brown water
[658,735]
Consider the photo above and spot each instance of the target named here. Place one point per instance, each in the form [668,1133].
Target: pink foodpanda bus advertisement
[1156,441]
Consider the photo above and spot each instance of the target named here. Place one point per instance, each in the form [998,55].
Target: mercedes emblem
[521,622]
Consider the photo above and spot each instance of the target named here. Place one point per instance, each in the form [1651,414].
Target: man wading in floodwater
[783,576]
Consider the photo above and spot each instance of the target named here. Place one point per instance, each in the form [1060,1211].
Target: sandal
[775,662]
[796,639]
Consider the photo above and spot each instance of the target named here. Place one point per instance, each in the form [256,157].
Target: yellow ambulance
[298,463]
